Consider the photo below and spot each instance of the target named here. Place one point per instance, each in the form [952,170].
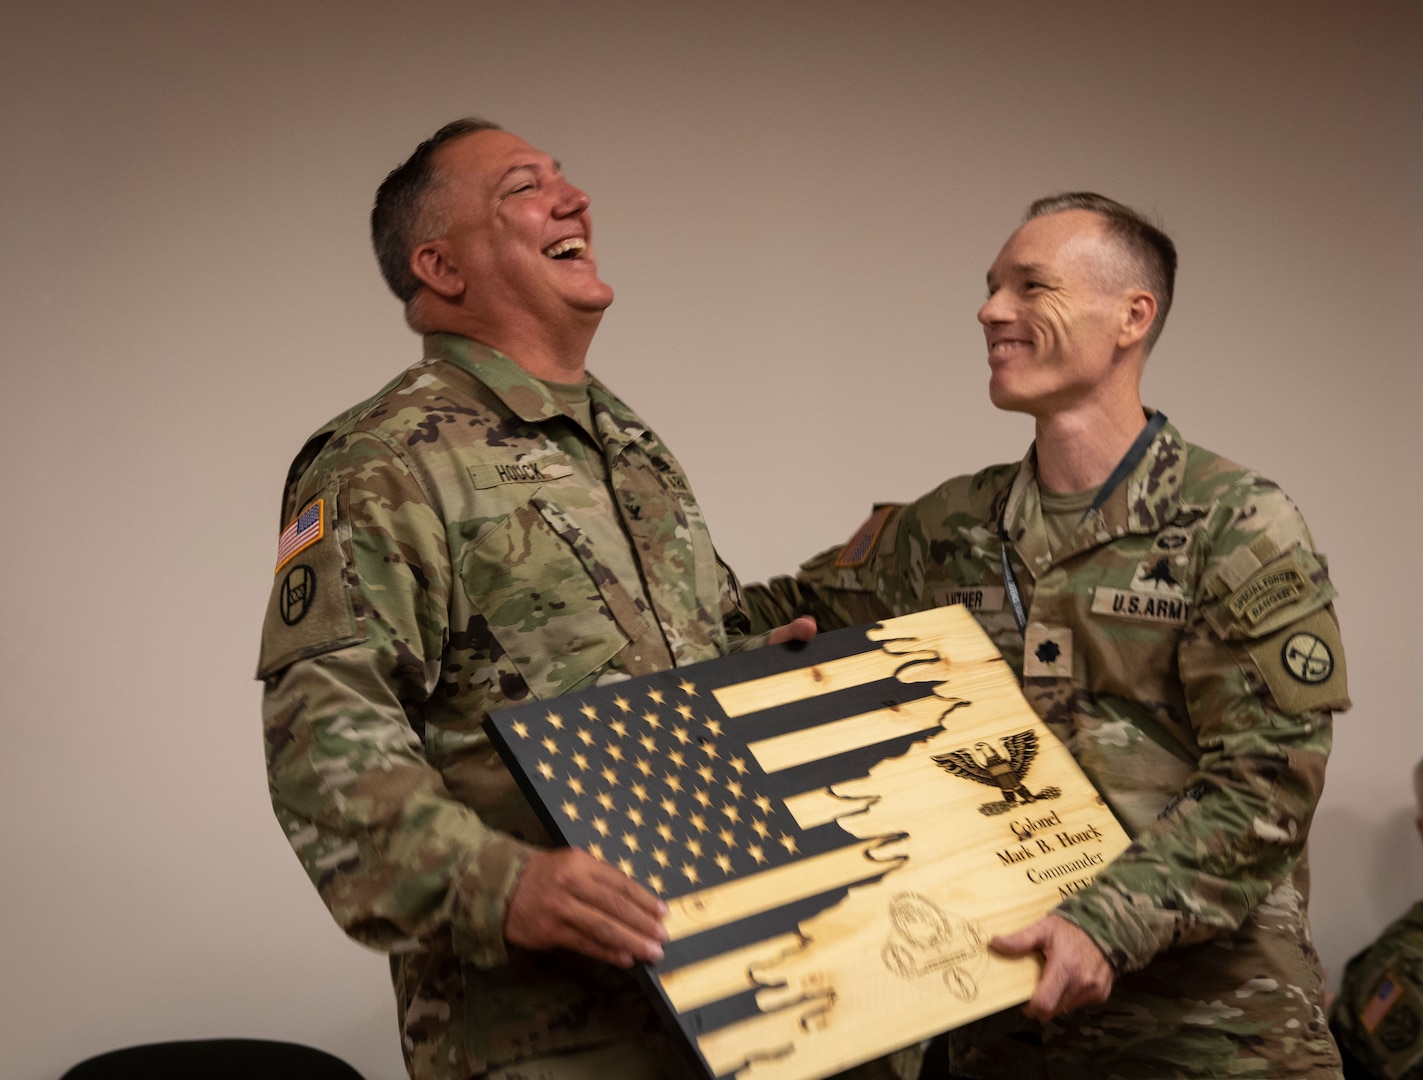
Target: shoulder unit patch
[862,544]
[308,527]
[1303,665]
[1386,995]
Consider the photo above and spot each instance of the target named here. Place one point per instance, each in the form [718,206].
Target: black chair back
[214,1059]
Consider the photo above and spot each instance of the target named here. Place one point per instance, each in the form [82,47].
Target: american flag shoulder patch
[862,544]
[307,529]
[1385,995]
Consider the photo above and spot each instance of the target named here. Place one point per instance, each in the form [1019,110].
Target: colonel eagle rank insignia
[986,765]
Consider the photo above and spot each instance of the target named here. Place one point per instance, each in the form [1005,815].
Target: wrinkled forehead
[1055,243]
[484,158]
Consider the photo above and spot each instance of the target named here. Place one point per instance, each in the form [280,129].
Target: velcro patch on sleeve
[1303,665]
[310,610]
[1275,587]
[1272,597]
[306,529]
[1388,992]
[862,545]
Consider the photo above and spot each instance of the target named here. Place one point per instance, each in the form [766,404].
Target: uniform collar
[1145,502]
[527,397]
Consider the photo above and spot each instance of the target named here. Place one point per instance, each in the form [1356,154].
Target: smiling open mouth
[566,249]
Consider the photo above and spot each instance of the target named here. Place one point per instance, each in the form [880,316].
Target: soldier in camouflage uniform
[1176,632]
[491,526]
[1378,1015]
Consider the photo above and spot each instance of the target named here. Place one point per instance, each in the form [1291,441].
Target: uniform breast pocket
[539,602]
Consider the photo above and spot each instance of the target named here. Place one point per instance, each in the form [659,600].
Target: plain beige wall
[796,203]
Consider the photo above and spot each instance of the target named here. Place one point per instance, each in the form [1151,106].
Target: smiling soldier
[493,526]
[1172,623]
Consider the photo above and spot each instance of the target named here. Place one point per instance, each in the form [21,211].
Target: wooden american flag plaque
[837,827]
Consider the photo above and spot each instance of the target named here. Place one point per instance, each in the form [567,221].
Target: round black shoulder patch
[1307,658]
[298,592]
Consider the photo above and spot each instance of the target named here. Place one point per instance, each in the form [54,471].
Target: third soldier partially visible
[1172,622]
[1378,1015]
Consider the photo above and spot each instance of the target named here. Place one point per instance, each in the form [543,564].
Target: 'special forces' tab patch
[862,544]
[1303,665]
[1268,591]
[1266,599]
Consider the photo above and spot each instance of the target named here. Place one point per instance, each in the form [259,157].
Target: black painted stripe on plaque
[841,767]
[718,1014]
[775,659]
[809,712]
[785,919]
[672,1020]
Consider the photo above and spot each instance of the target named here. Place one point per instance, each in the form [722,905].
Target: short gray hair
[401,217]
[1149,250]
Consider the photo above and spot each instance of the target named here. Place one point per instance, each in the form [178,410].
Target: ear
[430,263]
[1138,313]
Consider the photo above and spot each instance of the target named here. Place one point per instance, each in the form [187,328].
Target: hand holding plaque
[838,829]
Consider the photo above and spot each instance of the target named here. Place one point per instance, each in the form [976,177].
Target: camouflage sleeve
[842,586]
[347,664]
[735,619]
[1261,667]
[811,592]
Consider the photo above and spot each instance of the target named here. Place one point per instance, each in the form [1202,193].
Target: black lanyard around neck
[1130,460]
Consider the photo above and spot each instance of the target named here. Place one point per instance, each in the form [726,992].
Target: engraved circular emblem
[933,949]
[921,923]
[1307,658]
[1399,1029]
[298,591]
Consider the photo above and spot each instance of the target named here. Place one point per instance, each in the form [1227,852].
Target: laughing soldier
[492,526]
[1172,623]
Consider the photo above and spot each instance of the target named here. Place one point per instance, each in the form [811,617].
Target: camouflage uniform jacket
[440,572]
[1378,1015]
[1183,645]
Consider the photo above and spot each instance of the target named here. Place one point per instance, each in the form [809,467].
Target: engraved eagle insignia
[986,765]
